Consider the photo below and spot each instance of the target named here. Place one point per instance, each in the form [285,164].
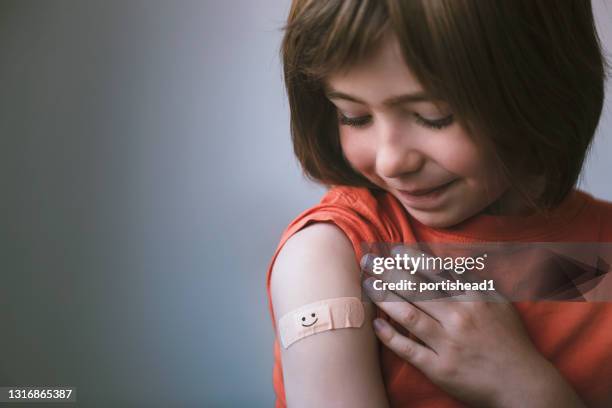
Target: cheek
[459,154]
[466,157]
[359,153]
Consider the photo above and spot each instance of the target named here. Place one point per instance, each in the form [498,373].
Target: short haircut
[524,77]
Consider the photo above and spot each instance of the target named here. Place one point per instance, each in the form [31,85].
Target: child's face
[413,145]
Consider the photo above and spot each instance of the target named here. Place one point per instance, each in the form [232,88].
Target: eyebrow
[420,96]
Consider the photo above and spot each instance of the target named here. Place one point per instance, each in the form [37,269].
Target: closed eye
[362,121]
[354,122]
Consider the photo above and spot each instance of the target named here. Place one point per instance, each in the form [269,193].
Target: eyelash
[431,124]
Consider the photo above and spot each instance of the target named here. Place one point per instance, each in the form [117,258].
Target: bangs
[330,36]
[326,37]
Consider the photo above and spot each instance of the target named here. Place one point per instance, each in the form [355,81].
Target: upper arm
[334,366]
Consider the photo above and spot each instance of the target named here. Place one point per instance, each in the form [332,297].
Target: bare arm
[332,368]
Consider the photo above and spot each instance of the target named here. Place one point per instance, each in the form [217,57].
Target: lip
[425,196]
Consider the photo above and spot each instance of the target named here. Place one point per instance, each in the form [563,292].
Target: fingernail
[398,250]
[366,262]
[379,324]
[367,284]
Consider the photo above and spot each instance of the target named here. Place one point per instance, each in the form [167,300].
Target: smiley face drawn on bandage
[304,319]
[316,317]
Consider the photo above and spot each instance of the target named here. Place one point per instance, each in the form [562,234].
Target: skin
[476,351]
[395,150]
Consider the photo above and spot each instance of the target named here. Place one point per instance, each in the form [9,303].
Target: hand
[474,346]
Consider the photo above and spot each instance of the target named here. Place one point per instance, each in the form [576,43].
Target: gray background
[146,174]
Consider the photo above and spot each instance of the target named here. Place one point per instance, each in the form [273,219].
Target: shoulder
[599,211]
[359,199]
[604,206]
[321,244]
[326,241]
[317,262]
[361,214]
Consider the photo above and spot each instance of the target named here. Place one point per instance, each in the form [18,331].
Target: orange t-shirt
[575,336]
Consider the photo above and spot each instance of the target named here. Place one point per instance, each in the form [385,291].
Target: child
[441,121]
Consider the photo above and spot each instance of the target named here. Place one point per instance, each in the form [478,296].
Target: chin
[436,220]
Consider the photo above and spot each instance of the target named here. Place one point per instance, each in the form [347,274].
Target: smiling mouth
[308,325]
[422,192]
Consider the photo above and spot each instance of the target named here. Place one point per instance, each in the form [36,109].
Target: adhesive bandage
[328,314]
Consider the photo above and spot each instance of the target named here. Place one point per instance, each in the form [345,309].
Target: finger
[431,301]
[425,275]
[371,265]
[406,348]
[435,269]
[401,274]
[376,265]
[440,276]
[419,323]
[367,263]
[478,296]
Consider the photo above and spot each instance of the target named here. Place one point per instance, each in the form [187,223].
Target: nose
[397,154]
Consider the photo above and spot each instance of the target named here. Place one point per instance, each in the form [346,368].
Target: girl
[441,121]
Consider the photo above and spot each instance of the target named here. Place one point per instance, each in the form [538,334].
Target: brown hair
[524,76]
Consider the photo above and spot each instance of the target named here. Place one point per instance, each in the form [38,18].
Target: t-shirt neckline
[488,227]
